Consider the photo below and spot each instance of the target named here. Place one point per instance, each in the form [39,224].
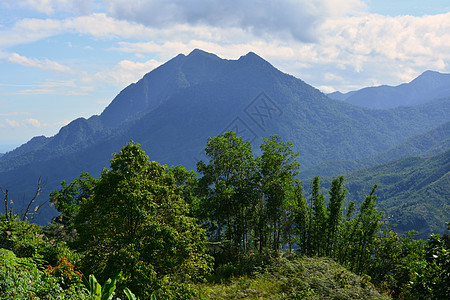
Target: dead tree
[9,203]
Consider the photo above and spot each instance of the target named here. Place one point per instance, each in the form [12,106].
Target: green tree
[136,221]
[369,223]
[318,224]
[226,201]
[300,218]
[278,167]
[337,198]
[67,200]
[431,280]
[187,182]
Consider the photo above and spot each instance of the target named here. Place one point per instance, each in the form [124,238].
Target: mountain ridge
[428,86]
[403,185]
[432,142]
[173,109]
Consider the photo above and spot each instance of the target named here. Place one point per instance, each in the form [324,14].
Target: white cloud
[126,72]
[51,6]
[29,30]
[15,113]
[33,122]
[352,47]
[281,18]
[36,92]
[29,122]
[12,123]
[375,48]
[44,64]
[49,87]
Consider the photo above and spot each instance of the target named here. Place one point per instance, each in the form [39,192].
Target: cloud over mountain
[298,19]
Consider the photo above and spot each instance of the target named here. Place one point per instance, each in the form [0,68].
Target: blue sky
[65,59]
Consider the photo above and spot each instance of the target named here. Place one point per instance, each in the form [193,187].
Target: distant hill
[434,141]
[414,191]
[340,96]
[172,111]
[428,86]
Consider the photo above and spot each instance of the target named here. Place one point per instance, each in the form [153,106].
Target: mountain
[434,141]
[414,191]
[173,109]
[428,86]
[340,96]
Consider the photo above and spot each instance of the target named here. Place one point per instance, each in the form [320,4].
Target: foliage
[295,277]
[29,240]
[431,280]
[20,278]
[226,204]
[67,200]
[243,200]
[137,222]
[413,192]
[65,271]
[105,292]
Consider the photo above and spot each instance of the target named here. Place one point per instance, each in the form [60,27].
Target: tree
[300,218]
[337,197]
[9,210]
[318,224]
[369,221]
[278,167]
[224,188]
[67,200]
[136,221]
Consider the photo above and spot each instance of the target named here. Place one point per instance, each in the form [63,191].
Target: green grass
[292,277]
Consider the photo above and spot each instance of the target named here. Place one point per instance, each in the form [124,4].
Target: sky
[65,59]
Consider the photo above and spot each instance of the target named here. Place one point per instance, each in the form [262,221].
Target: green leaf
[109,287]
[95,289]
[129,294]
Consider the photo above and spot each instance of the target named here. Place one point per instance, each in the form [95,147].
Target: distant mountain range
[434,141]
[428,86]
[173,109]
[414,191]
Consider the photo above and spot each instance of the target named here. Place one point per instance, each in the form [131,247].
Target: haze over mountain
[173,109]
[428,86]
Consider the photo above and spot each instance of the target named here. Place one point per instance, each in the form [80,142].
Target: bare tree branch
[37,193]
[6,201]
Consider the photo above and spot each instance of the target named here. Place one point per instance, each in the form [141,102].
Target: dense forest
[242,226]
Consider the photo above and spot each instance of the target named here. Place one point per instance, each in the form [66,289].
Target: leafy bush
[29,240]
[295,277]
[20,278]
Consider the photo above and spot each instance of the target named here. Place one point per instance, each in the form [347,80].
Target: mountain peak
[429,85]
[252,56]
[430,73]
[198,53]
[432,78]
[254,59]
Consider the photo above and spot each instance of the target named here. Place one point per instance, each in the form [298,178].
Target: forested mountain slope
[434,141]
[176,107]
[414,191]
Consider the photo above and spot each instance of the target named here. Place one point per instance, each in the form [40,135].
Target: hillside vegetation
[414,191]
[243,228]
[193,97]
